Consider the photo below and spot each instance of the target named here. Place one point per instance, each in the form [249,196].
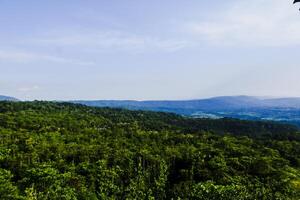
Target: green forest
[52,150]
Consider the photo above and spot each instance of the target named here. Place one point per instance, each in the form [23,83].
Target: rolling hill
[7,98]
[211,104]
[241,107]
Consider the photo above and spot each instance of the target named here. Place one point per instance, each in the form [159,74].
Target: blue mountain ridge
[285,110]
[211,104]
[7,98]
[241,107]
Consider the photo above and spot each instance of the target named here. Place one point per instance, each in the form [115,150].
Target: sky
[148,50]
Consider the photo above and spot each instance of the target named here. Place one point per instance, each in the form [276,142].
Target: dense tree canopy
[65,151]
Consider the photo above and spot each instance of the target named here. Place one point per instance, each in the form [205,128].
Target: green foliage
[210,191]
[67,151]
[7,189]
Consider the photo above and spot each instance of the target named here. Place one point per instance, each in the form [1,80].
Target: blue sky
[141,49]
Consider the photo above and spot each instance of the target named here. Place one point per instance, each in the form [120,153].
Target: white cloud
[28,88]
[255,22]
[27,57]
[114,40]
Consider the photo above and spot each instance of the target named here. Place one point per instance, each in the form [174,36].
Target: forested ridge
[52,150]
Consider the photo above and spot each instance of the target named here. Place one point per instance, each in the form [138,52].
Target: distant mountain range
[242,107]
[285,110]
[225,103]
[7,98]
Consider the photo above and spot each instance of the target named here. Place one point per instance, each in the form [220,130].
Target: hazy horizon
[192,99]
[148,50]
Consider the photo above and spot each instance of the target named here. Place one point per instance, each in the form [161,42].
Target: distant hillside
[212,104]
[241,107]
[7,98]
